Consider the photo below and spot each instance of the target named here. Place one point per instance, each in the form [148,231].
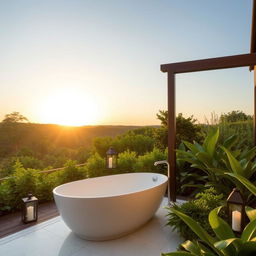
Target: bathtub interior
[112,185]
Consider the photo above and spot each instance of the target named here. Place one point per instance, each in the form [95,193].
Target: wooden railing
[44,171]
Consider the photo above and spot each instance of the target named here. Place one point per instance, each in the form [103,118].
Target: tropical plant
[190,179]
[224,243]
[198,209]
[217,160]
[242,129]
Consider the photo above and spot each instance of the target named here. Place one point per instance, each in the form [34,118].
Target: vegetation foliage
[216,161]
[224,242]
[198,209]
[27,148]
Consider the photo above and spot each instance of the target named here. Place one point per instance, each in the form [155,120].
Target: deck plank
[11,223]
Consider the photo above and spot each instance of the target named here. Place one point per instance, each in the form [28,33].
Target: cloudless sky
[108,55]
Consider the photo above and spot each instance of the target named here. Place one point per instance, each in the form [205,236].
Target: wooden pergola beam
[242,60]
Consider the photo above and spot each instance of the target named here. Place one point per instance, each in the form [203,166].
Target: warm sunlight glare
[69,108]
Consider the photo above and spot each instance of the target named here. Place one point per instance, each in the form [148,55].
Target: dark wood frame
[192,66]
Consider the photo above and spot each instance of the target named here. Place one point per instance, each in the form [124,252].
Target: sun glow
[69,108]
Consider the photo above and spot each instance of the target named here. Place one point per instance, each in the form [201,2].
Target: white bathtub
[108,207]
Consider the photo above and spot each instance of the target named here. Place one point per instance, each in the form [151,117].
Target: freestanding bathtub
[108,207]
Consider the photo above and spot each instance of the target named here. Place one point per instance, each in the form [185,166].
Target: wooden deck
[12,223]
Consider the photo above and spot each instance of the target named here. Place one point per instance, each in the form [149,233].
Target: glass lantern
[30,209]
[111,162]
[236,210]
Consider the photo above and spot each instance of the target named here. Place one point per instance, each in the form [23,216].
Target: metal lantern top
[29,198]
[111,152]
[235,197]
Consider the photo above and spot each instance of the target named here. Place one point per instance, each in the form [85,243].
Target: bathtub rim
[109,196]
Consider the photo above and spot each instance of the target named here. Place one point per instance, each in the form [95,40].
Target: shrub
[198,209]
[145,163]
[242,129]
[235,116]
[21,183]
[101,145]
[138,143]
[127,161]
[95,166]
[71,173]
[45,186]
[132,142]
[30,162]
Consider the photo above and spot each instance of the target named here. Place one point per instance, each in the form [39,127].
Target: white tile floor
[54,238]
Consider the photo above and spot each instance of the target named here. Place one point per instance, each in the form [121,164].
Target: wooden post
[254,114]
[172,136]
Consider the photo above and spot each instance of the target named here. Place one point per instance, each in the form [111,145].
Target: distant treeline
[38,137]
[47,145]
[27,148]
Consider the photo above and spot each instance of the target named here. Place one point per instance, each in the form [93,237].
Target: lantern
[30,209]
[111,158]
[236,210]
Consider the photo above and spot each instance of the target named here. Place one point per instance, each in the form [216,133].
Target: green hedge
[26,180]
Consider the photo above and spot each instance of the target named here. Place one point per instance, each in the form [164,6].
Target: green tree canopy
[186,128]
[14,117]
[234,116]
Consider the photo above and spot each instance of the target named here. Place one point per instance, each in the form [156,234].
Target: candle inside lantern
[30,213]
[110,162]
[236,220]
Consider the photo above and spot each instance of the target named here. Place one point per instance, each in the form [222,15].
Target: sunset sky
[80,62]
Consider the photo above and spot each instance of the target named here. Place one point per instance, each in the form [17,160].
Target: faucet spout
[168,175]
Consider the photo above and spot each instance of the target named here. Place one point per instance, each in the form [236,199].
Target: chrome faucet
[168,175]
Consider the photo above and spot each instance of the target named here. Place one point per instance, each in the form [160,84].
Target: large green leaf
[191,147]
[249,185]
[191,247]
[251,213]
[210,142]
[205,158]
[235,165]
[182,153]
[221,229]
[230,141]
[223,244]
[249,231]
[196,228]
[219,226]
[199,147]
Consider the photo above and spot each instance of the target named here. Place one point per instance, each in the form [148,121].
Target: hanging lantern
[30,209]
[111,158]
[236,210]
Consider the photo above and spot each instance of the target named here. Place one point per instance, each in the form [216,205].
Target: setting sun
[69,108]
